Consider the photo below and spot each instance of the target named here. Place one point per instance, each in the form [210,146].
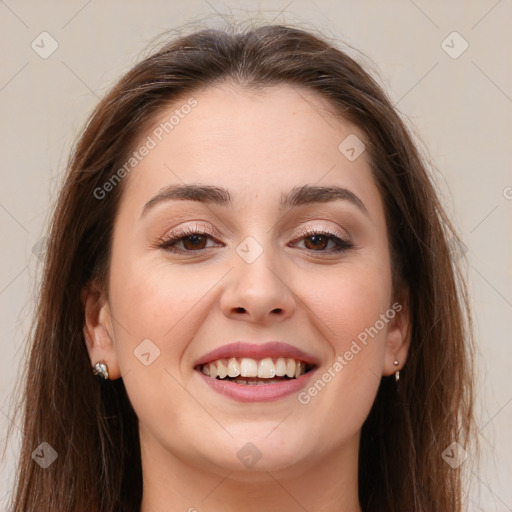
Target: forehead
[256,143]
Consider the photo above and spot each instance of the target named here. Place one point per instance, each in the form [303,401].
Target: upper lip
[257,351]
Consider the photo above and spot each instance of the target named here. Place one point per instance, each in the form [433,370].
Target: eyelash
[167,242]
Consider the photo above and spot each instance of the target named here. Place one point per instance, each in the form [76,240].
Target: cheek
[160,307]
[349,301]
[352,310]
[162,302]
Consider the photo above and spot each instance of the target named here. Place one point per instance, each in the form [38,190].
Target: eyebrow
[210,194]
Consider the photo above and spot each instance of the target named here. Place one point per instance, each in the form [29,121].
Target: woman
[249,255]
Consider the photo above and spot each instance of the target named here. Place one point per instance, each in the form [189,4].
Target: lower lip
[257,392]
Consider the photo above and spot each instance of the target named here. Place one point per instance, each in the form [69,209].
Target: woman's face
[255,282]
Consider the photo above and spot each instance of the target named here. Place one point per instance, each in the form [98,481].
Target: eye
[318,240]
[192,238]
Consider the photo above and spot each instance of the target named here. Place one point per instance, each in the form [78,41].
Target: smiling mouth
[248,371]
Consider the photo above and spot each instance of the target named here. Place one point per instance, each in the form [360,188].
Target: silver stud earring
[397,373]
[100,370]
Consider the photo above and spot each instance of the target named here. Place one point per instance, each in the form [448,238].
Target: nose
[258,291]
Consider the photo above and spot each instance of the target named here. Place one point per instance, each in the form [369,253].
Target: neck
[328,484]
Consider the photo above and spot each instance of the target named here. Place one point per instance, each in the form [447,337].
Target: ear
[98,329]
[398,339]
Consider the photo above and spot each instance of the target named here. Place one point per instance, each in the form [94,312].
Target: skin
[258,145]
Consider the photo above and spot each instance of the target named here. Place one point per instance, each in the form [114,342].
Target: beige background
[460,107]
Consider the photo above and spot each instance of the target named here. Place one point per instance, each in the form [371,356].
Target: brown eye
[192,239]
[196,241]
[318,242]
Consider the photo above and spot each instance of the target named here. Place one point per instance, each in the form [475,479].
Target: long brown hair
[93,427]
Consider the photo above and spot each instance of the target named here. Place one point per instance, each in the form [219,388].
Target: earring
[100,370]
[397,373]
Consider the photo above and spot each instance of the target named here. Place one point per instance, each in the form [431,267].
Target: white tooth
[290,368]
[281,367]
[206,369]
[233,367]
[213,370]
[266,368]
[298,369]
[248,367]
[222,369]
